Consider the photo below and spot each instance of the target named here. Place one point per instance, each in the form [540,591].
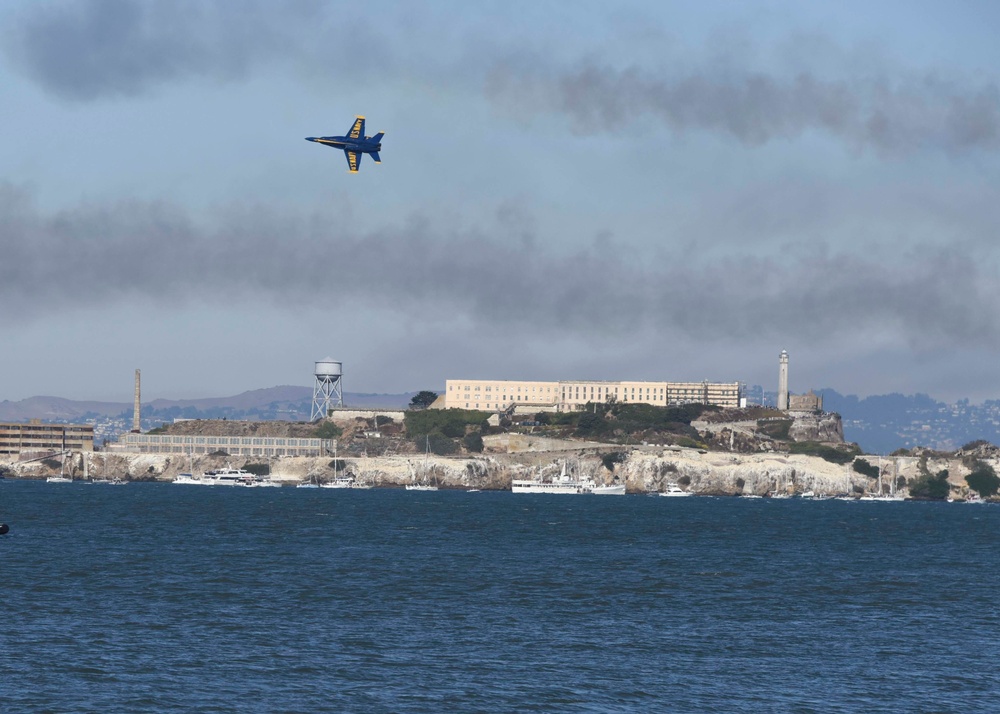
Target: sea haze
[161,598]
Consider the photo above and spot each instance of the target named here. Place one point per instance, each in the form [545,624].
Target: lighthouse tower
[783,380]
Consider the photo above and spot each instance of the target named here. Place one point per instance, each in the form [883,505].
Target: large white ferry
[561,484]
[227,476]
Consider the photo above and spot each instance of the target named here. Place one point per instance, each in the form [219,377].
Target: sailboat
[311,483]
[62,477]
[104,467]
[424,485]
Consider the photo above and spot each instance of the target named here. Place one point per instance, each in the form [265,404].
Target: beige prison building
[499,395]
[37,438]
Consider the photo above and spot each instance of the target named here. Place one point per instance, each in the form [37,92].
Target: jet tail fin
[378,137]
[375,156]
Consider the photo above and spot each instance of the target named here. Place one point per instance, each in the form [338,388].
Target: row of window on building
[470,394]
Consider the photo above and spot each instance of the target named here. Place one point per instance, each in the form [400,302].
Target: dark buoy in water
[4,528]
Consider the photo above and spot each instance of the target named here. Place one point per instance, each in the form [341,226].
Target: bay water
[162,598]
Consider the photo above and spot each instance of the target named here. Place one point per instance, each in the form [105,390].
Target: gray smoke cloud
[755,108]
[93,49]
[94,256]
[108,48]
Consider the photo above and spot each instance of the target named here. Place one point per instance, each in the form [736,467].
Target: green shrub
[473,442]
[830,453]
[983,480]
[328,430]
[590,424]
[440,444]
[972,445]
[931,486]
[615,457]
[865,468]
[449,422]
[258,469]
[775,428]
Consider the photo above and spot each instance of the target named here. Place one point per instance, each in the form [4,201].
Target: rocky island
[709,451]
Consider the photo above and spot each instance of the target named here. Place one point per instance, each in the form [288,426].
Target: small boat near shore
[673,490]
[615,489]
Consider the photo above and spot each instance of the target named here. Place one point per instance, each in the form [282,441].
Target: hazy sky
[585,190]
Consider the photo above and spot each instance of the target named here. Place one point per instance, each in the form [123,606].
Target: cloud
[890,114]
[112,48]
[100,255]
[97,49]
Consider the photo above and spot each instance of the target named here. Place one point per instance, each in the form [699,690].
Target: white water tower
[327,392]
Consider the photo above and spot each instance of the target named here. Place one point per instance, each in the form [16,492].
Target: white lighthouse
[783,380]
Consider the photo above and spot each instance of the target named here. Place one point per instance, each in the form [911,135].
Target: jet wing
[353,160]
[358,130]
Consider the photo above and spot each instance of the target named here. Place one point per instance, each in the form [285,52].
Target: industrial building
[232,445]
[498,395]
[36,438]
[787,401]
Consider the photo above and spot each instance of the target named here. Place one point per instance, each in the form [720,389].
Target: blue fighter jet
[354,144]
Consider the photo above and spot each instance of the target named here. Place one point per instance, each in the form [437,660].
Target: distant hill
[284,402]
[885,422]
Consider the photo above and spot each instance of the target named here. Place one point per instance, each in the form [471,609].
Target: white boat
[116,481]
[261,482]
[227,476]
[672,489]
[617,489]
[561,484]
[62,477]
[341,482]
[424,484]
[189,479]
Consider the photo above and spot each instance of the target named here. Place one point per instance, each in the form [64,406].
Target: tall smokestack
[135,410]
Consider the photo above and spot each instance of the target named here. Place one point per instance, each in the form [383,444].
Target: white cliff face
[824,427]
[643,469]
[736,474]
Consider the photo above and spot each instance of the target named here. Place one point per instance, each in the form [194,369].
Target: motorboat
[342,482]
[189,479]
[672,489]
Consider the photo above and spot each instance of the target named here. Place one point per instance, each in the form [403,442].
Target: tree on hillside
[422,400]
[933,487]
[983,480]
[865,467]
[328,430]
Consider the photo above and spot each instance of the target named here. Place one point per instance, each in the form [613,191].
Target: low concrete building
[36,438]
[198,445]
[345,414]
[805,402]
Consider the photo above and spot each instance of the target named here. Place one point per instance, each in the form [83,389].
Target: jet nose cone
[310,138]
